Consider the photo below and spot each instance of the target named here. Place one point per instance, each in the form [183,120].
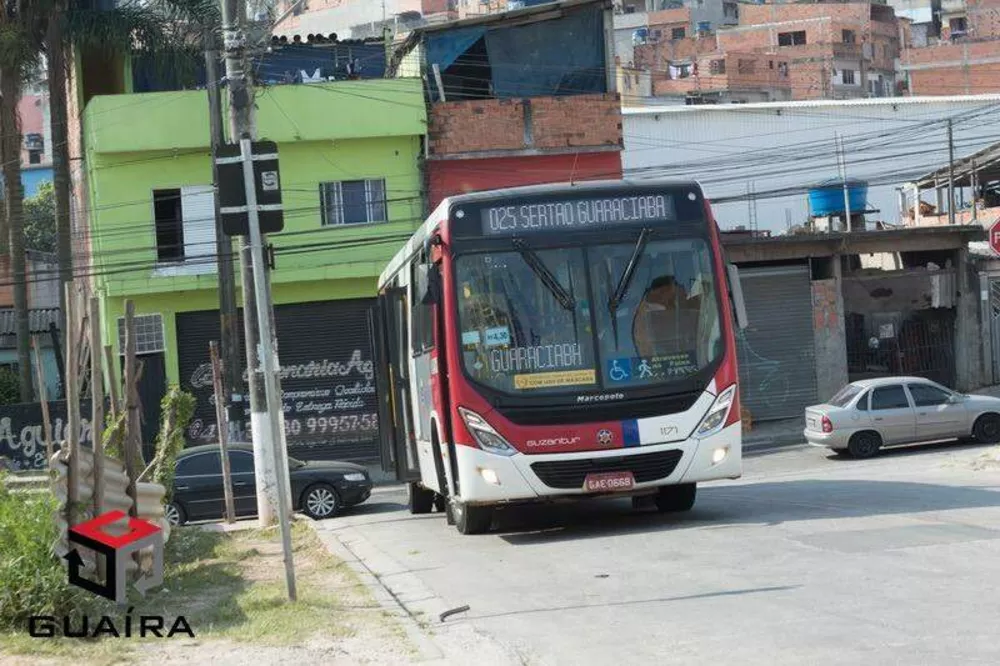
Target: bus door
[397,443]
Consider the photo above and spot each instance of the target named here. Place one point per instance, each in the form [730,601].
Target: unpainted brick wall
[556,122]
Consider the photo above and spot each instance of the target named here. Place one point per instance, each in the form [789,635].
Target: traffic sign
[995,237]
[232,189]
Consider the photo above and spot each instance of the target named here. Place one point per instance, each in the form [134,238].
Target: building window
[34,157]
[421,315]
[148,334]
[352,202]
[731,10]
[848,36]
[958,25]
[184,218]
[677,33]
[717,67]
[169,225]
[847,76]
[783,70]
[746,66]
[797,38]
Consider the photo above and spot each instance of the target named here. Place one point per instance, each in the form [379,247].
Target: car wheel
[472,519]
[987,429]
[864,444]
[676,498]
[421,499]
[320,501]
[174,513]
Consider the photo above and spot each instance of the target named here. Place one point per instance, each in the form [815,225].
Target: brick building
[962,57]
[519,98]
[776,52]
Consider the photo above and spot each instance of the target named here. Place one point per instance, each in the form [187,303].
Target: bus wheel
[676,498]
[421,499]
[472,519]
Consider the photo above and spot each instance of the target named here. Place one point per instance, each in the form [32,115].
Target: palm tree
[22,27]
[163,29]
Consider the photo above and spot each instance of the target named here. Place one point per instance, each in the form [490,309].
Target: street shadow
[764,503]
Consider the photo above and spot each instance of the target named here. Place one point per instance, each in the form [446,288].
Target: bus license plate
[608,482]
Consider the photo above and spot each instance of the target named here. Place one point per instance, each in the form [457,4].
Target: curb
[406,598]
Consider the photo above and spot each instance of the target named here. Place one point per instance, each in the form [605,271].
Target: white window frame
[843,77]
[331,201]
[198,228]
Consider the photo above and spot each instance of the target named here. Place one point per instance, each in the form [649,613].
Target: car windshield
[517,336]
[845,395]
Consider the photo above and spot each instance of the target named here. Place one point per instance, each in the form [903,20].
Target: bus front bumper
[487,478]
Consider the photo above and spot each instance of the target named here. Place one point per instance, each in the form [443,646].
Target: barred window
[148,334]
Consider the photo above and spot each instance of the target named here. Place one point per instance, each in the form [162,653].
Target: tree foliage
[40,220]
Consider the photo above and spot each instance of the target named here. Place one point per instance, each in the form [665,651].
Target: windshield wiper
[626,280]
[544,274]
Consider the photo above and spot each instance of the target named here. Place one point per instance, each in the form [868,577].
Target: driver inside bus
[666,319]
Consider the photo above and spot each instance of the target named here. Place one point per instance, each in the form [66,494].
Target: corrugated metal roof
[38,321]
[805,104]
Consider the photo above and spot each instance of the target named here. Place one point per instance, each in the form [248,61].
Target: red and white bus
[556,342]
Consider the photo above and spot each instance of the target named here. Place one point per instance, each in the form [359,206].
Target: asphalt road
[807,559]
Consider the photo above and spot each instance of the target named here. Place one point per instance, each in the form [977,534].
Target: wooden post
[43,398]
[116,405]
[132,434]
[97,405]
[72,433]
[223,429]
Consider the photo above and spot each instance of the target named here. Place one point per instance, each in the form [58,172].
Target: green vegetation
[176,410]
[32,580]
[40,219]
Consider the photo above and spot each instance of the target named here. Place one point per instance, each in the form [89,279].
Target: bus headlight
[717,414]
[487,438]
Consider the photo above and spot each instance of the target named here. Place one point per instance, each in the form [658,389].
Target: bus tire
[421,499]
[681,497]
[471,519]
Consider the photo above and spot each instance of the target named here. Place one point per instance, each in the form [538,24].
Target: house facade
[351,188]
[519,98]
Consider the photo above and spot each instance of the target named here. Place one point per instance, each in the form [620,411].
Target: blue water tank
[827,198]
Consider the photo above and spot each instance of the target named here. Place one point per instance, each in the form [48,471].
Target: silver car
[866,415]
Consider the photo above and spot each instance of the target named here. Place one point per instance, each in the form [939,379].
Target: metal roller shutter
[327,381]
[776,352]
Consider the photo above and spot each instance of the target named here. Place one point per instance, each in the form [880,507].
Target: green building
[352,191]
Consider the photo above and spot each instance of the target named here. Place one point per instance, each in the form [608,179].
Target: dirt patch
[987,461]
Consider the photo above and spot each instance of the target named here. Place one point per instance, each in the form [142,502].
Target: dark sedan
[319,488]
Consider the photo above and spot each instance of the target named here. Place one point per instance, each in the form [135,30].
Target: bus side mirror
[736,294]
[428,283]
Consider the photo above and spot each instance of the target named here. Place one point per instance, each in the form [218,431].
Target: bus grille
[571,473]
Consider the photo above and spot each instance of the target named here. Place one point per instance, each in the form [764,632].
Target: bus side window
[422,328]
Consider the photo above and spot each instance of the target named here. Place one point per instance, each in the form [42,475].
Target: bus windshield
[549,320]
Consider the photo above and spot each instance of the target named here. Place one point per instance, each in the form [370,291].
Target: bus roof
[441,212]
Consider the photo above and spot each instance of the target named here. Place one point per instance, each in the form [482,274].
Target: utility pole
[951,175]
[228,324]
[266,418]
[842,163]
[241,121]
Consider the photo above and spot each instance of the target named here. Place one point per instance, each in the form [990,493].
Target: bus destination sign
[577,214]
